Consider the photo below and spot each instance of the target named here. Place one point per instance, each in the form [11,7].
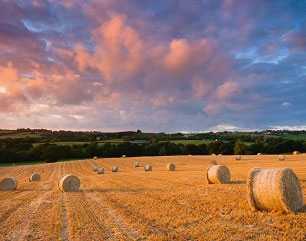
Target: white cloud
[227,127]
[289,128]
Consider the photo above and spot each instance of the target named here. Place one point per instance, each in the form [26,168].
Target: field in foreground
[137,205]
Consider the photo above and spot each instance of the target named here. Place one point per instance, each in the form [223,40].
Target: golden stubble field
[137,205]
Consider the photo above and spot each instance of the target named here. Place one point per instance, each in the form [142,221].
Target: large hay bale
[274,189]
[115,169]
[148,168]
[69,183]
[238,157]
[171,167]
[34,177]
[218,174]
[136,164]
[281,157]
[8,184]
[100,170]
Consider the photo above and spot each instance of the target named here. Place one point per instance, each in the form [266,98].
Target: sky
[154,65]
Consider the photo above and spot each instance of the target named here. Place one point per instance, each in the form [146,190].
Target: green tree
[239,148]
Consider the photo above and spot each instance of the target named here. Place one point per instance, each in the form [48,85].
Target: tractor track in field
[30,207]
[34,207]
[22,196]
[119,227]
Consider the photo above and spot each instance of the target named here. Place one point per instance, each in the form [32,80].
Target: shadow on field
[303,210]
[123,190]
[34,189]
[238,182]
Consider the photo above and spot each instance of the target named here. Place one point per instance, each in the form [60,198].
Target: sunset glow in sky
[155,65]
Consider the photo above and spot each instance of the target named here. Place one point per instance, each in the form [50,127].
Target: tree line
[13,151]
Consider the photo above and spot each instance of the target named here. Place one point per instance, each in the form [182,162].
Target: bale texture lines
[274,189]
[171,167]
[8,184]
[136,164]
[218,174]
[35,177]
[69,183]
[115,169]
[148,168]
[100,170]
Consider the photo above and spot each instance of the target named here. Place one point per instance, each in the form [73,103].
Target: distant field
[195,142]
[18,135]
[299,137]
[71,143]
[135,205]
[116,141]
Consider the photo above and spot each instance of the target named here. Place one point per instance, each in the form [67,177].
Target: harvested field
[132,205]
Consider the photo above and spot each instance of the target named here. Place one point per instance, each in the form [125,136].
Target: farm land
[136,205]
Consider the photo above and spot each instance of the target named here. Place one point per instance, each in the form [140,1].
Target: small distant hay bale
[69,183]
[238,157]
[171,167]
[274,189]
[281,157]
[123,156]
[95,157]
[8,184]
[148,168]
[220,154]
[95,168]
[213,162]
[296,153]
[218,174]
[213,154]
[35,177]
[136,164]
[115,168]
[100,170]
[258,154]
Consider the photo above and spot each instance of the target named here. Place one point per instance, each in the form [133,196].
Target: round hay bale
[123,156]
[274,189]
[8,184]
[213,154]
[171,167]
[218,174]
[35,177]
[213,162]
[115,169]
[238,158]
[95,157]
[100,170]
[281,157]
[136,164]
[220,154]
[259,154]
[95,168]
[69,183]
[148,168]
[296,152]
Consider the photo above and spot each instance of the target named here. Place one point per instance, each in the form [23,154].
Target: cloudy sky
[155,65]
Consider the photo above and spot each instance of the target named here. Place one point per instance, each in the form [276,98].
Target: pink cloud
[227,89]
